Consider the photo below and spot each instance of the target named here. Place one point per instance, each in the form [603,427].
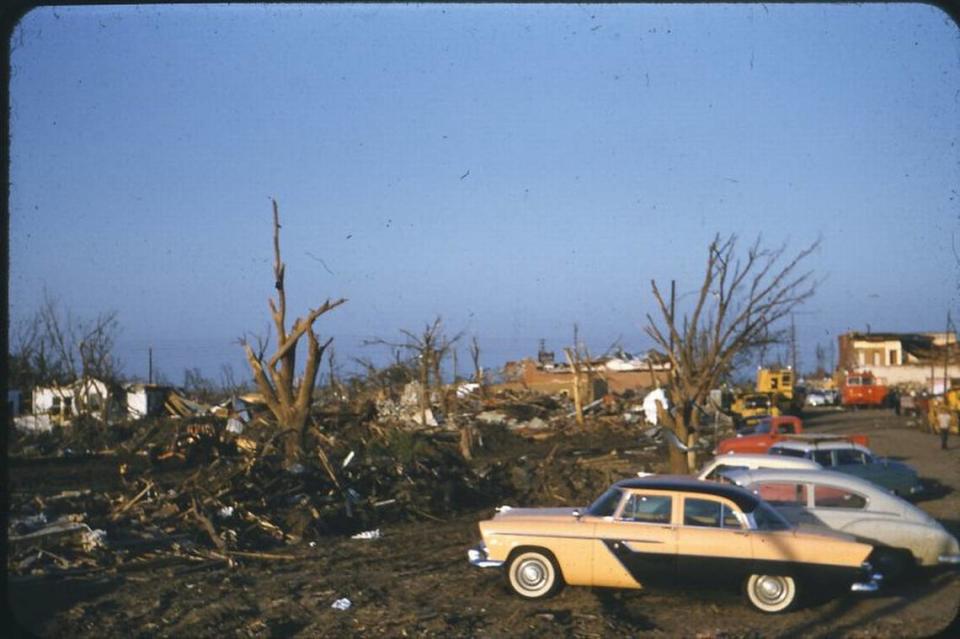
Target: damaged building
[614,374]
[902,359]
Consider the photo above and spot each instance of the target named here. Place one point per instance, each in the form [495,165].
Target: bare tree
[740,303]
[57,348]
[287,397]
[474,348]
[428,349]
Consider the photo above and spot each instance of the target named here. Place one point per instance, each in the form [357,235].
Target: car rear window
[832,497]
[766,518]
[782,493]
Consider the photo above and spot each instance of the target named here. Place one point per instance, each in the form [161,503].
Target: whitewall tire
[771,593]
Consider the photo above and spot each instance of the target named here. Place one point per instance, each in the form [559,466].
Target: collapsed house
[57,405]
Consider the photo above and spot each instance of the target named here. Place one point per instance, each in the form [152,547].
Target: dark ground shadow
[32,603]
[619,604]
[932,489]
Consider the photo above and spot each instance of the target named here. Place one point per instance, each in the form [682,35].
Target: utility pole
[793,345]
[150,365]
[673,298]
[946,356]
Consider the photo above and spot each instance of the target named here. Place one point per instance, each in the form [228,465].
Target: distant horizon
[513,169]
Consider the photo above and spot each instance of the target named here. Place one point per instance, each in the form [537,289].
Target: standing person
[943,421]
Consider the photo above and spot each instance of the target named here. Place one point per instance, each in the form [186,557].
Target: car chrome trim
[478,557]
[865,586]
[949,559]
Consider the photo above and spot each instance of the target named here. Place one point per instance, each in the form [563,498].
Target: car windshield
[762,427]
[606,504]
[766,518]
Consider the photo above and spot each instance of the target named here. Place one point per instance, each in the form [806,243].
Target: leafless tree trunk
[477,371]
[573,358]
[740,302]
[287,397]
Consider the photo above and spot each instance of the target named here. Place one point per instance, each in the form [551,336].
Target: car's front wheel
[533,574]
[771,593]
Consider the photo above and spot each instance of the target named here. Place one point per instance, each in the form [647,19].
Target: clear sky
[514,169]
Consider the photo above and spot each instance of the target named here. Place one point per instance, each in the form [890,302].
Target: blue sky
[514,169]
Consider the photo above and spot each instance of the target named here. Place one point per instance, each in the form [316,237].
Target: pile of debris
[242,501]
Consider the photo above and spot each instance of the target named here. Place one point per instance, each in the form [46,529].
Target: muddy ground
[414,580]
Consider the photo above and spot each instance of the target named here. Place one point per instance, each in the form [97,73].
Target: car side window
[648,509]
[788,429]
[831,497]
[709,513]
[783,493]
[823,457]
[849,456]
[702,512]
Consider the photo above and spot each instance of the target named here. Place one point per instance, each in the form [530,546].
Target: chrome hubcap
[771,589]
[532,574]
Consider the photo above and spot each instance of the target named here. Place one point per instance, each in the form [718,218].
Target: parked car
[750,461]
[832,395]
[854,459]
[905,535]
[816,398]
[771,430]
[663,528]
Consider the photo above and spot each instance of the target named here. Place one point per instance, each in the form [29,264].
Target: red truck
[863,390]
[771,430]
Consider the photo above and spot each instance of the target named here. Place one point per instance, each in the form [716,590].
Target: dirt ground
[415,581]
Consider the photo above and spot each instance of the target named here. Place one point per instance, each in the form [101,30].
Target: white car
[751,461]
[816,398]
[854,459]
[905,535]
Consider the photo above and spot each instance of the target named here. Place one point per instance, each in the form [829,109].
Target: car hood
[896,466]
[535,514]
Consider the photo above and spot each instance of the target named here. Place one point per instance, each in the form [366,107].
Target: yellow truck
[753,407]
[778,383]
[775,381]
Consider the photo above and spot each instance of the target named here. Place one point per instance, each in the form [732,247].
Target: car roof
[811,476]
[763,458]
[820,445]
[683,483]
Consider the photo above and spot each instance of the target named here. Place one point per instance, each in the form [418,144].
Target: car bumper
[871,583]
[950,560]
[478,557]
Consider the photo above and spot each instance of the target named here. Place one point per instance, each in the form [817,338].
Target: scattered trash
[341,604]
[225,512]
[234,426]
[347,460]
[367,534]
